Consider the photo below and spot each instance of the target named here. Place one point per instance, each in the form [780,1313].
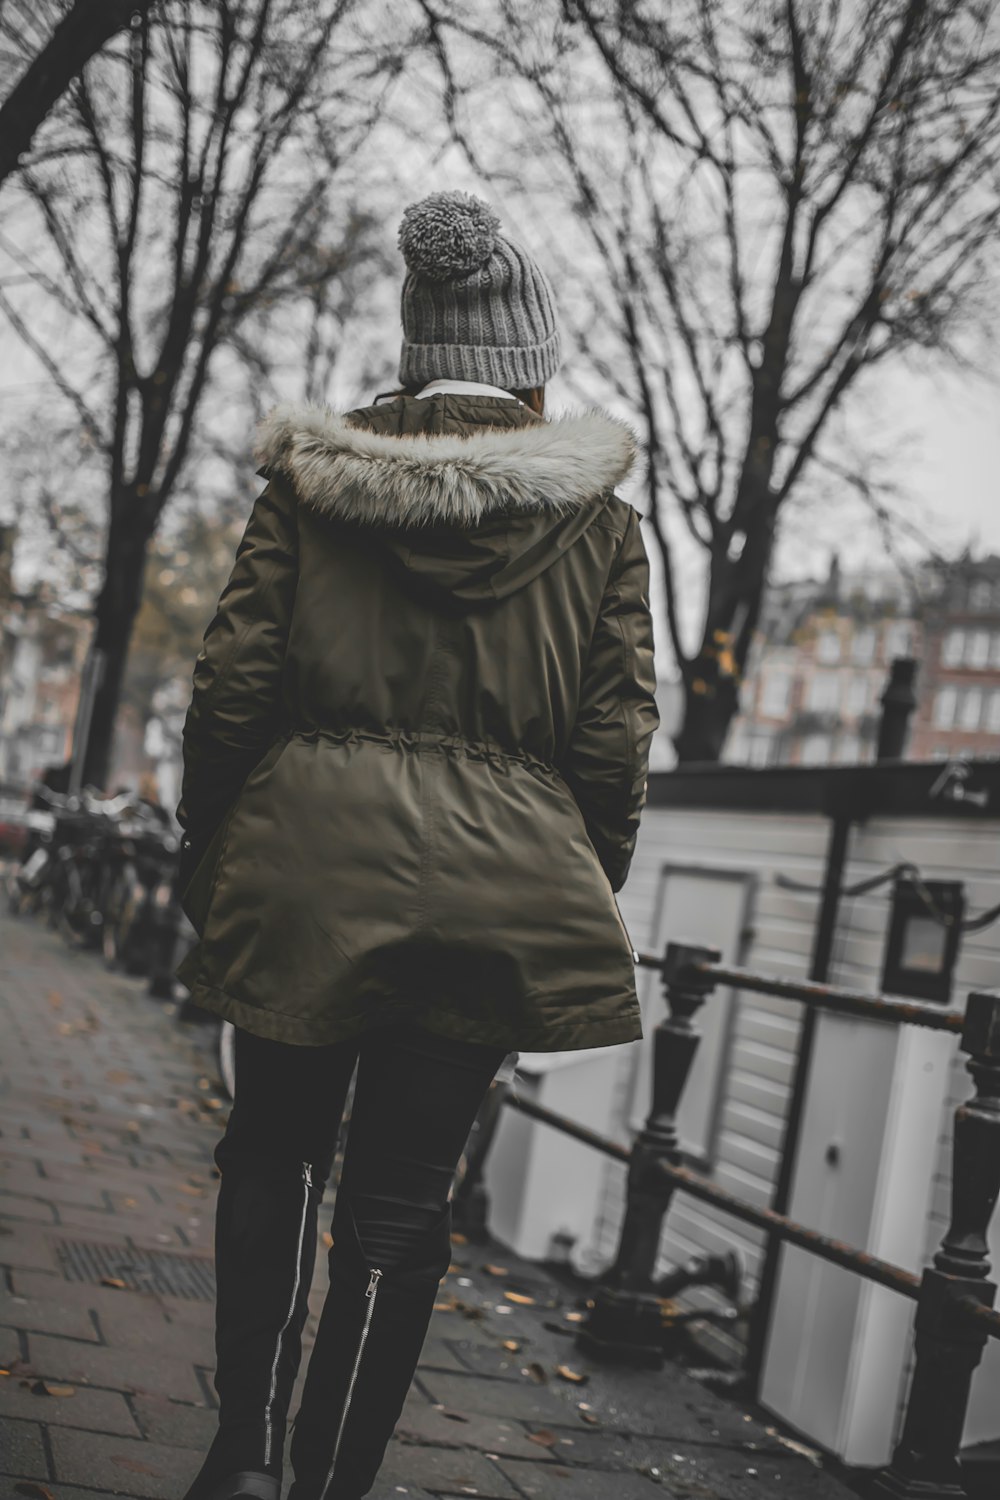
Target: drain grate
[189,1276]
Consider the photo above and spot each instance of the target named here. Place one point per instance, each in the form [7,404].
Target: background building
[958,714]
[42,649]
[823,656]
[812,697]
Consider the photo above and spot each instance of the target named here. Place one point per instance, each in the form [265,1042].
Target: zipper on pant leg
[374,1277]
[296,1283]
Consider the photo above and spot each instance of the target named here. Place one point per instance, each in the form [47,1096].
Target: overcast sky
[959,477]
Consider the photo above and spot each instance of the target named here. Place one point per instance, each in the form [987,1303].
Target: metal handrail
[955,1317]
[825,996]
[883,1272]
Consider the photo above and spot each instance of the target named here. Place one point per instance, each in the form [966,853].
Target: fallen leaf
[812,1454]
[456,1265]
[130,1202]
[443,1307]
[575,1317]
[117,1075]
[458,1239]
[536,1372]
[194,1192]
[114,1281]
[35,1491]
[55,999]
[513,1345]
[47,1388]
[543,1437]
[589,1418]
[133,1465]
[565,1373]
[520,1299]
[496,1270]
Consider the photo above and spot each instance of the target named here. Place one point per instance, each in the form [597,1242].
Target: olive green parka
[415,754]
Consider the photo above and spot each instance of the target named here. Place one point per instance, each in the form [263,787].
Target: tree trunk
[712,680]
[80,34]
[114,616]
[709,709]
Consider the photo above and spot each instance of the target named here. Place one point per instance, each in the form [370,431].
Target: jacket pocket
[196,897]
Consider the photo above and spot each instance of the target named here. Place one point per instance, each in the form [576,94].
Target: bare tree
[189,192]
[783,198]
[60,57]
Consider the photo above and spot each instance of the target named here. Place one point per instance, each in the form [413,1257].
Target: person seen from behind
[414,763]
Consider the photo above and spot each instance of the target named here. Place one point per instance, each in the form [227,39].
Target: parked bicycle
[139,872]
[104,871]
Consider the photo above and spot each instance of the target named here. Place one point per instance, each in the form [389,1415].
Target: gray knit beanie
[475,306]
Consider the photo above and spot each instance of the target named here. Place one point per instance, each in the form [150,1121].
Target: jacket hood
[472,495]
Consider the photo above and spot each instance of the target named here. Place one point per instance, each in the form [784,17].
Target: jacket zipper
[374,1276]
[268,1423]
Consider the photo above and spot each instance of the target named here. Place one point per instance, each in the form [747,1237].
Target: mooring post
[948,1344]
[898,700]
[626,1321]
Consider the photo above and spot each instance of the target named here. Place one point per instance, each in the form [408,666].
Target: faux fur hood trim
[374,478]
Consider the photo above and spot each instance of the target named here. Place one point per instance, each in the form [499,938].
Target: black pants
[416,1098]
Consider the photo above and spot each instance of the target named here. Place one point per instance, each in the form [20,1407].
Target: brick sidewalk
[108,1116]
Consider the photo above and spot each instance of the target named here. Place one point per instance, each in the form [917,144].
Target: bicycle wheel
[227,1057]
[117,918]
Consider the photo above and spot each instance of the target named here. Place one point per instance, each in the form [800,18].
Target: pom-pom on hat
[475,306]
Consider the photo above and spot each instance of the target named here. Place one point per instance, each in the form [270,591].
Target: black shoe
[245,1486]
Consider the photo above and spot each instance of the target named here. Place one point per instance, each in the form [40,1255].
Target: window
[995,649]
[953,648]
[992,719]
[970,709]
[897,639]
[980,595]
[828,646]
[857,694]
[759,750]
[863,645]
[849,749]
[815,750]
[824,692]
[775,694]
[945,703]
[977,648]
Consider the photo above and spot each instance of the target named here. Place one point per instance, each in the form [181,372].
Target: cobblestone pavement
[109,1112]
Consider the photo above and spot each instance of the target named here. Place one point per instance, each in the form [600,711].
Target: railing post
[948,1345]
[626,1321]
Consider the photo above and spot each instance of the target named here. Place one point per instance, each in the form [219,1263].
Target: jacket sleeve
[235,709]
[608,754]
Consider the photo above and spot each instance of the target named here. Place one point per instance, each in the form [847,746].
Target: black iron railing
[954,1296]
